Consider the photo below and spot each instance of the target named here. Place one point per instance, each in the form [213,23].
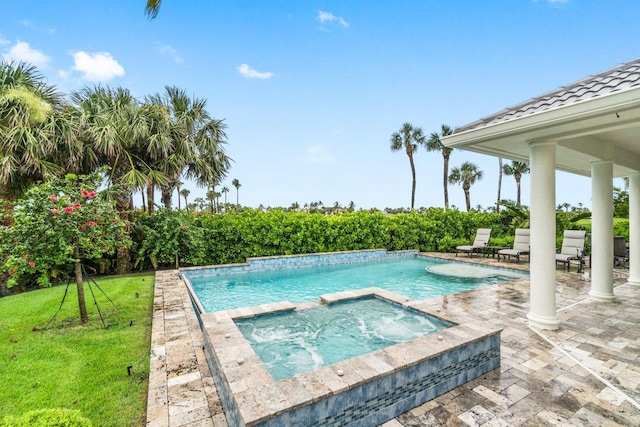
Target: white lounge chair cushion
[521,243]
[481,240]
[512,252]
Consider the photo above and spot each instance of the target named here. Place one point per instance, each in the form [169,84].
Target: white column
[542,310]
[634,228]
[602,231]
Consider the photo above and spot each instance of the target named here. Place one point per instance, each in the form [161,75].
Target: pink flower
[53,198]
[77,205]
[92,195]
[54,211]
[83,227]
[32,264]
[68,209]
[92,223]
[89,194]
[183,227]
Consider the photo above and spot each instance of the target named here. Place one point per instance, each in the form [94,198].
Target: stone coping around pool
[296,261]
[252,397]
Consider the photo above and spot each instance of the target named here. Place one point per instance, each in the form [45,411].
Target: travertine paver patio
[587,373]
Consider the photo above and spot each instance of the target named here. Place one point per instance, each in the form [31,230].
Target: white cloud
[21,51]
[317,155]
[168,50]
[330,17]
[250,73]
[33,26]
[97,67]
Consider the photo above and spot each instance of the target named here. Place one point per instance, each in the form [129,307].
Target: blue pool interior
[226,289]
[366,389]
[299,341]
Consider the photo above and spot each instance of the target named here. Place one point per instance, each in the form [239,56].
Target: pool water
[300,341]
[403,275]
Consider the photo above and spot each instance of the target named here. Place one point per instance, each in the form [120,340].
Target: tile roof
[621,77]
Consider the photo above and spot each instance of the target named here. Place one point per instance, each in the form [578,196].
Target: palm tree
[185,193]
[152,8]
[435,144]
[237,184]
[225,190]
[199,202]
[198,141]
[34,128]
[119,133]
[517,169]
[564,206]
[466,175]
[211,197]
[408,138]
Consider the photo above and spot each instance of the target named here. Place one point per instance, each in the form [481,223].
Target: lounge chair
[479,243]
[572,248]
[620,252]
[520,245]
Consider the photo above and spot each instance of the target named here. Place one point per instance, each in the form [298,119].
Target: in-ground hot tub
[365,390]
[293,342]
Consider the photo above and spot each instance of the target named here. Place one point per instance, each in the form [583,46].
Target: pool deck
[585,374]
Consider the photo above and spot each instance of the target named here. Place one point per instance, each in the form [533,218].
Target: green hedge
[204,239]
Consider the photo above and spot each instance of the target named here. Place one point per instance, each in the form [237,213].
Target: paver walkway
[585,374]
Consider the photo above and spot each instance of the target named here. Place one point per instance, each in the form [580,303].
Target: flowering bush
[58,224]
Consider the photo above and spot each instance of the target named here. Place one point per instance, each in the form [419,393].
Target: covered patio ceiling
[593,119]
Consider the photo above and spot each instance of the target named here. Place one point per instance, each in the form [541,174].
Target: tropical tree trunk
[413,182]
[446,181]
[123,262]
[4,289]
[467,195]
[499,184]
[82,306]
[167,195]
[123,206]
[178,191]
[150,198]
[517,190]
[6,205]
[144,201]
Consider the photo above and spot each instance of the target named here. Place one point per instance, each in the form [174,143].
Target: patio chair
[520,245]
[620,252]
[480,242]
[572,248]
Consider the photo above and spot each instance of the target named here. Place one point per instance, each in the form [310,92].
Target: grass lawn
[618,223]
[77,366]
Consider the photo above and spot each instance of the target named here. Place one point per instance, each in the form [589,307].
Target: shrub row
[170,237]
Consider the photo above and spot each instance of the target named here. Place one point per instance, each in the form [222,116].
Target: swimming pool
[364,390]
[226,287]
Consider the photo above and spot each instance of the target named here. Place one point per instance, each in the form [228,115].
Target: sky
[311,91]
